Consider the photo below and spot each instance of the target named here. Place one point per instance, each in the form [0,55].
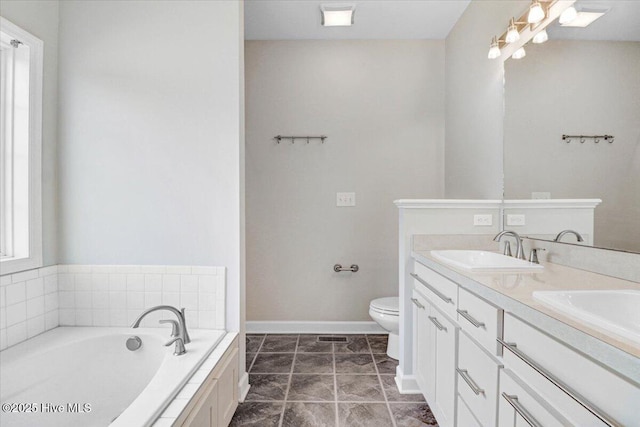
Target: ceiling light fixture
[541,37]
[536,13]
[568,15]
[584,18]
[494,50]
[337,15]
[513,35]
[519,54]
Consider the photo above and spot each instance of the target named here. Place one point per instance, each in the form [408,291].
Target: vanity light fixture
[337,15]
[513,35]
[536,13]
[568,15]
[494,50]
[519,54]
[541,37]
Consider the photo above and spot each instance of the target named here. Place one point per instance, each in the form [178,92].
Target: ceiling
[620,23]
[373,19]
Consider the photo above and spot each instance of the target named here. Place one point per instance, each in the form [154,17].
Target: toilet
[386,313]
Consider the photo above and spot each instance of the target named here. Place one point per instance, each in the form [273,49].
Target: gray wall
[381,104]
[40,18]
[474,102]
[578,87]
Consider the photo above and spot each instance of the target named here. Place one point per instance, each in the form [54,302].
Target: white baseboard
[243,387]
[406,384]
[305,327]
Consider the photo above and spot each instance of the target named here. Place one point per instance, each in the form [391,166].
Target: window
[20,149]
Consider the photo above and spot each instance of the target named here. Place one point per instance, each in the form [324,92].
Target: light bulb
[536,13]
[494,50]
[512,33]
[519,54]
[541,37]
[568,15]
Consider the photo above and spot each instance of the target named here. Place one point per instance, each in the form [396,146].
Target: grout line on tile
[335,384]
[384,393]
[286,394]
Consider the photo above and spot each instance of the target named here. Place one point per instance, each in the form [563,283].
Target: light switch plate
[345,199]
[516,219]
[483,220]
[540,195]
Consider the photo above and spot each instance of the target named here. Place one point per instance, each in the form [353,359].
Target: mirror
[582,81]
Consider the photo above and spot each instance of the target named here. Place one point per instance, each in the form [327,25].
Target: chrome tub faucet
[179,333]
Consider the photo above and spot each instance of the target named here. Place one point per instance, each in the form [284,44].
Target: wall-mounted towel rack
[596,138]
[279,138]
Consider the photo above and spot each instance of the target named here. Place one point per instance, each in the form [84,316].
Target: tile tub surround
[297,381]
[37,300]
[28,304]
[115,295]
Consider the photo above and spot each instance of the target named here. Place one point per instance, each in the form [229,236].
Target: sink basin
[613,310]
[483,260]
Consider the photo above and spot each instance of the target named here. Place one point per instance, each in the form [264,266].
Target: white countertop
[513,291]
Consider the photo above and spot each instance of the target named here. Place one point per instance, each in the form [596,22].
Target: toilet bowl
[385,311]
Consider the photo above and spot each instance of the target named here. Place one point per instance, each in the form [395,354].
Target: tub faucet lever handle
[179,349]
[174,326]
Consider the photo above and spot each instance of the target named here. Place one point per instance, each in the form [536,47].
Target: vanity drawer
[480,319]
[559,367]
[465,417]
[442,292]
[477,380]
[518,402]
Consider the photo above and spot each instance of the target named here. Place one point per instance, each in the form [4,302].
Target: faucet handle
[179,350]
[174,327]
[533,256]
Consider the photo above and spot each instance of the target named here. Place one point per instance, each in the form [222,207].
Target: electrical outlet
[540,195]
[345,199]
[483,219]
[516,219]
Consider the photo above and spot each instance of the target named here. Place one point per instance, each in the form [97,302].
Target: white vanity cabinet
[435,339]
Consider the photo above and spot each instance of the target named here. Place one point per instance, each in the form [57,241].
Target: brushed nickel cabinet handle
[417,303]
[474,322]
[521,410]
[470,382]
[432,289]
[438,324]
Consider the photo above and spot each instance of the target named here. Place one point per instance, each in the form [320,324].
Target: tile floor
[297,381]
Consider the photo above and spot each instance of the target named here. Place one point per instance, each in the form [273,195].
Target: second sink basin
[614,310]
[483,260]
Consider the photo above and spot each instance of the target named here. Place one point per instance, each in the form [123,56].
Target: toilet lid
[389,304]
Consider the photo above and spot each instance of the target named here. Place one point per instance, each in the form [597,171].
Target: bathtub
[83,376]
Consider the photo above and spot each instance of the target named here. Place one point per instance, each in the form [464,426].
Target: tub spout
[182,324]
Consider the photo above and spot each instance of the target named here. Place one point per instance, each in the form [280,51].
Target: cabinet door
[445,367]
[425,344]
[228,390]
[204,414]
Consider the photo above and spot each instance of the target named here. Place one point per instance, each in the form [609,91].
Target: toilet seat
[388,306]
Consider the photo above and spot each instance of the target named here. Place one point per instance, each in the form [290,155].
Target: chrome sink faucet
[180,334]
[519,250]
[563,232]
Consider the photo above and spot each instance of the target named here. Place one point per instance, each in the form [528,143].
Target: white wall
[150,135]
[578,87]
[474,101]
[381,104]
[40,18]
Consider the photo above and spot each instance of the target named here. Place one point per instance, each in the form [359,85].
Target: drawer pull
[417,303]
[442,296]
[512,347]
[513,401]
[470,382]
[438,324]
[474,322]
